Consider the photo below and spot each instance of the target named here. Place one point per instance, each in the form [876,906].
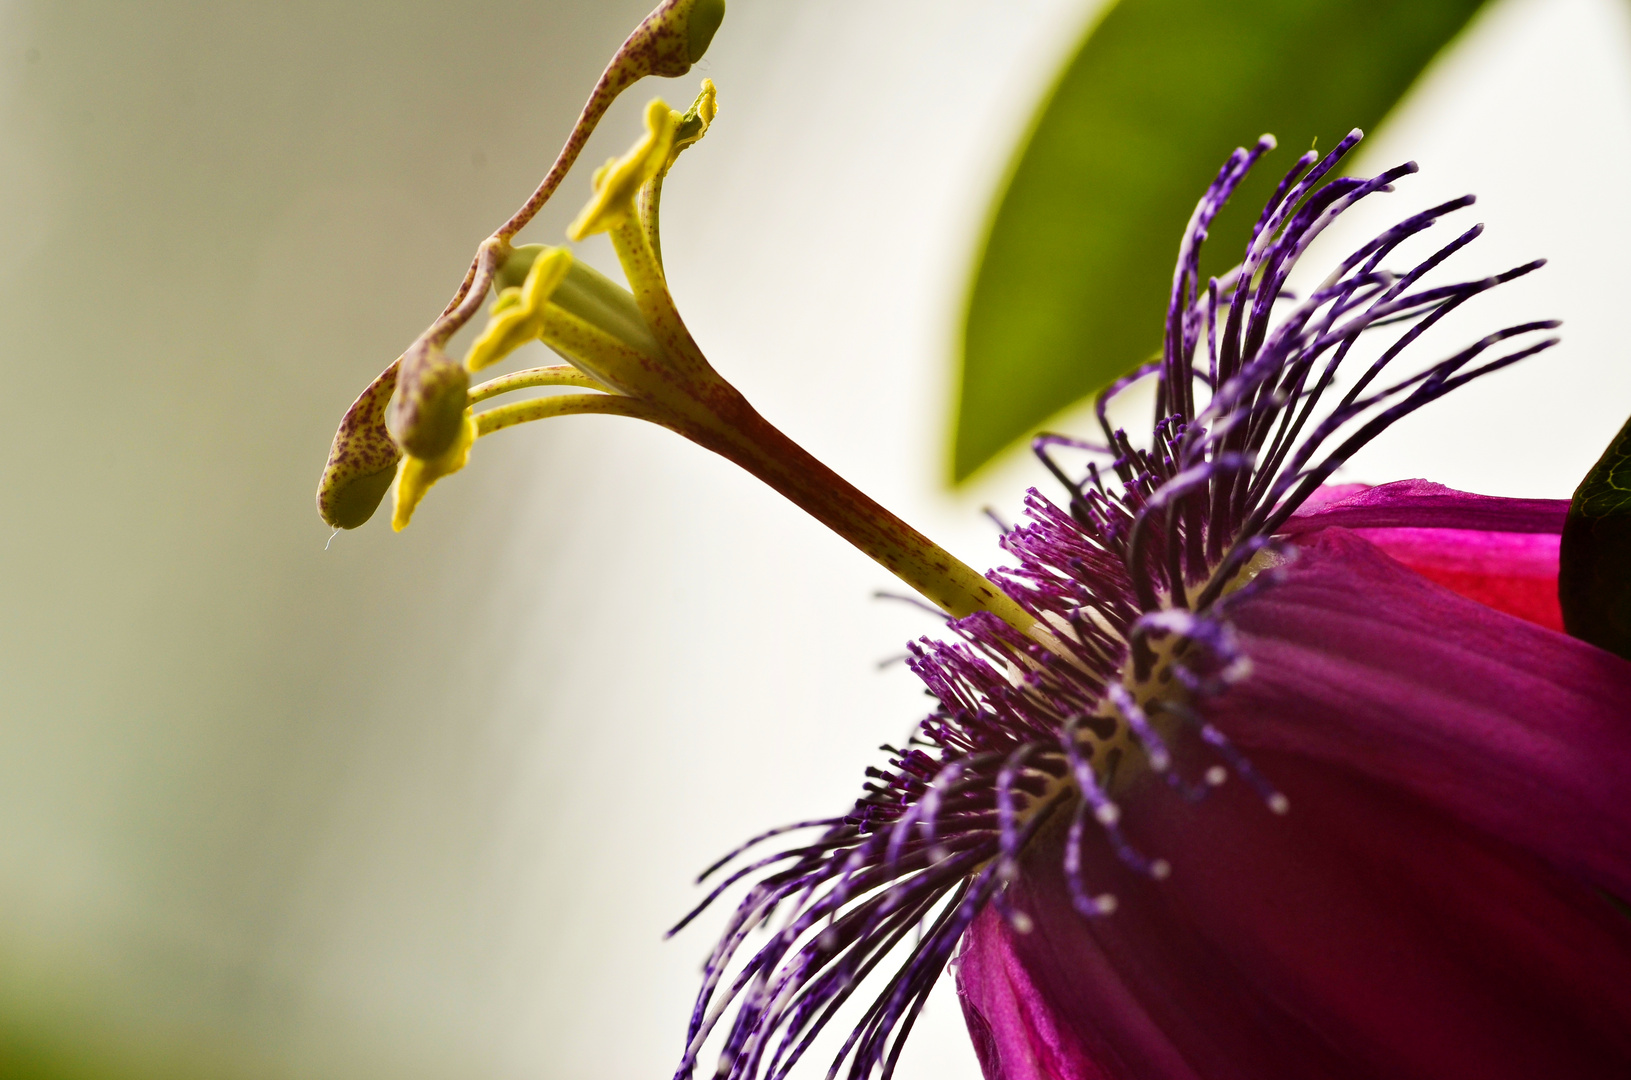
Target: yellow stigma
[518,313]
[690,127]
[618,182]
[416,475]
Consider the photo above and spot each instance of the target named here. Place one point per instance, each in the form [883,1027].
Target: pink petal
[1509,571]
[1499,552]
[1427,909]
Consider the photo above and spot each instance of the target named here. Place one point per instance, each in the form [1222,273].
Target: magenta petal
[1426,910]
[1515,730]
[1423,504]
[1015,1033]
[1362,936]
[1470,552]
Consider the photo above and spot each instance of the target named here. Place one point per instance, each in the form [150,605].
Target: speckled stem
[657,47]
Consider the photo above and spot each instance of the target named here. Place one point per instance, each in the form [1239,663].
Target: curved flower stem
[656,47]
[528,378]
[467,300]
[651,296]
[520,412]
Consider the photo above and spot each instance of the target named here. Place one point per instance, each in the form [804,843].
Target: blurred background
[275,804]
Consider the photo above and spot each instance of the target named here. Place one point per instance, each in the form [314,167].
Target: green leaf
[1594,575]
[1070,291]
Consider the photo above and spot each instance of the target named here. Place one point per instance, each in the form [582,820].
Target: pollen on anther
[1216,775]
[1021,922]
[1160,869]
[1108,813]
[1106,902]
[1279,803]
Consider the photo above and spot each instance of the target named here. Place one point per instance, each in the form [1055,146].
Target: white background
[422,805]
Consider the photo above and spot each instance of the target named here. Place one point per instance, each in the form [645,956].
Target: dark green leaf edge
[1594,571]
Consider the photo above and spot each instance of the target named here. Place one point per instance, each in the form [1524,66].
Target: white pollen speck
[1279,803]
[1021,922]
[1108,814]
[1160,869]
[1216,775]
[1160,761]
[1107,904]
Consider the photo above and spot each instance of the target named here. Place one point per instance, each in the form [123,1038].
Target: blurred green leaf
[66,1045]
[1594,575]
[1070,290]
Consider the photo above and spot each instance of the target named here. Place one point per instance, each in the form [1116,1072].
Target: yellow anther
[702,18]
[669,41]
[362,460]
[416,475]
[517,315]
[619,181]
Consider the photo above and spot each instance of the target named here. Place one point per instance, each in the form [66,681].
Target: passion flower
[1232,773]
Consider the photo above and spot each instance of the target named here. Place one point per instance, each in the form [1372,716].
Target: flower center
[1142,715]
